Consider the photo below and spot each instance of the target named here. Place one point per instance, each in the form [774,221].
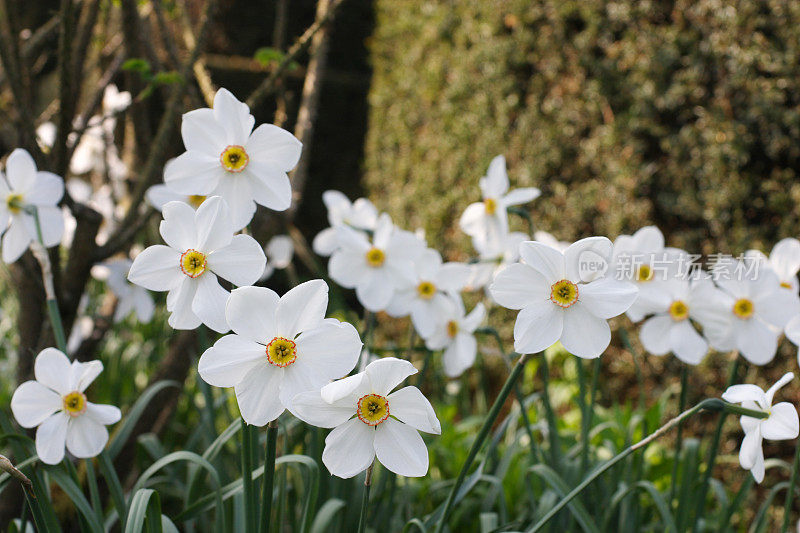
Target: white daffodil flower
[751,311]
[200,246]
[360,215]
[359,409]
[562,297]
[279,251]
[493,258]
[280,347]
[56,403]
[226,157]
[21,188]
[785,261]
[130,297]
[781,424]
[792,332]
[455,334]
[431,294]
[488,220]
[160,195]
[378,268]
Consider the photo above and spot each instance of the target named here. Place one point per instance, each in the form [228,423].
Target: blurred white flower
[785,261]
[160,195]
[358,407]
[46,135]
[455,334]
[366,358]
[781,424]
[130,297]
[550,240]
[494,257]
[115,100]
[56,403]
[556,300]
[200,246]
[226,157]
[21,188]
[792,332]
[432,292]
[101,200]
[279,251]
[360,215]
[375,269]
[488,220]
[280,347]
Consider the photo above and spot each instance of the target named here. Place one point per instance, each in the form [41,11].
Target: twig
[8,467]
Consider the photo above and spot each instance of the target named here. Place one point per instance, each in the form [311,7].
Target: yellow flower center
[75,403]
[563,293]
[281,352]
[195,200]
[193,263]
[452,328]
[426,290]
[375,257]
[372,409]
[644,273]
[786,285]
[234,158]
[679,311]
[14,202]
[491,206]
[743,308]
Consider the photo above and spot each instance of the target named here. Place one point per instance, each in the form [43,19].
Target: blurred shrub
[684,114]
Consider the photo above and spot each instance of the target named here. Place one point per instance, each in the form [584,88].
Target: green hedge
[683,114]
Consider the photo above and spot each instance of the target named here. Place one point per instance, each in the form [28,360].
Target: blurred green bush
[683,114]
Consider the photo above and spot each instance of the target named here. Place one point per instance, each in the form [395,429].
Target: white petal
[51,438]
[785,258]
[241,262]
[792,330]
[745,393]
[312,409]
[758,468]
[770,394]
[459,355]
[33,403]
[179,303]
[521,196]
[607,297]
[584,334]
[157,268]
[591,252]
[143,304]
[237,191]
[400,448]
[648,239]
[280,250]
[756,341]
[194,173]
[751,447]
[213,225]
[21,170]
[251,313]
[332,348]
[160,195]
[518,286]
[83,374]
[276,145]
[48,190]
[782,422]
[103,414]
[325,243]
[410,406]
[178,227]
[230,359]
[347,268]
[269,185]
[471,322]
[495,183]
[302,308]
[209,303]
[474,220]
[548,261]
[387,373]
[53,370]
[257,395]
[538,327]
[202,133]
[86,438]
[375,291]
[234,116]
[349,449]
[300,377]
[51,222]
[655,334]
[15,240]
[687,344]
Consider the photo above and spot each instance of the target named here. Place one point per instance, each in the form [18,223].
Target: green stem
[269,476]
[494,412]
[247,479]
[787,507]
[49,287]
[679,436]
[712,452]
[711,404]
[362,518]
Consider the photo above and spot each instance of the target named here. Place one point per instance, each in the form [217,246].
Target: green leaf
[559,486]
[139,65]
[144,513]
[326,514]
[132,417]
[75,494]
[267,56]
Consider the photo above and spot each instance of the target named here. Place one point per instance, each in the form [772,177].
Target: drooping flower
[372,421]
[200,246]
[781,424]
[432,292]
[281,346]
[279,251]
[487,220]
[359,215]
[56,403]
[455,334]
[226,157]
[378,268]
[23,188]
[561,296]
[130,298]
